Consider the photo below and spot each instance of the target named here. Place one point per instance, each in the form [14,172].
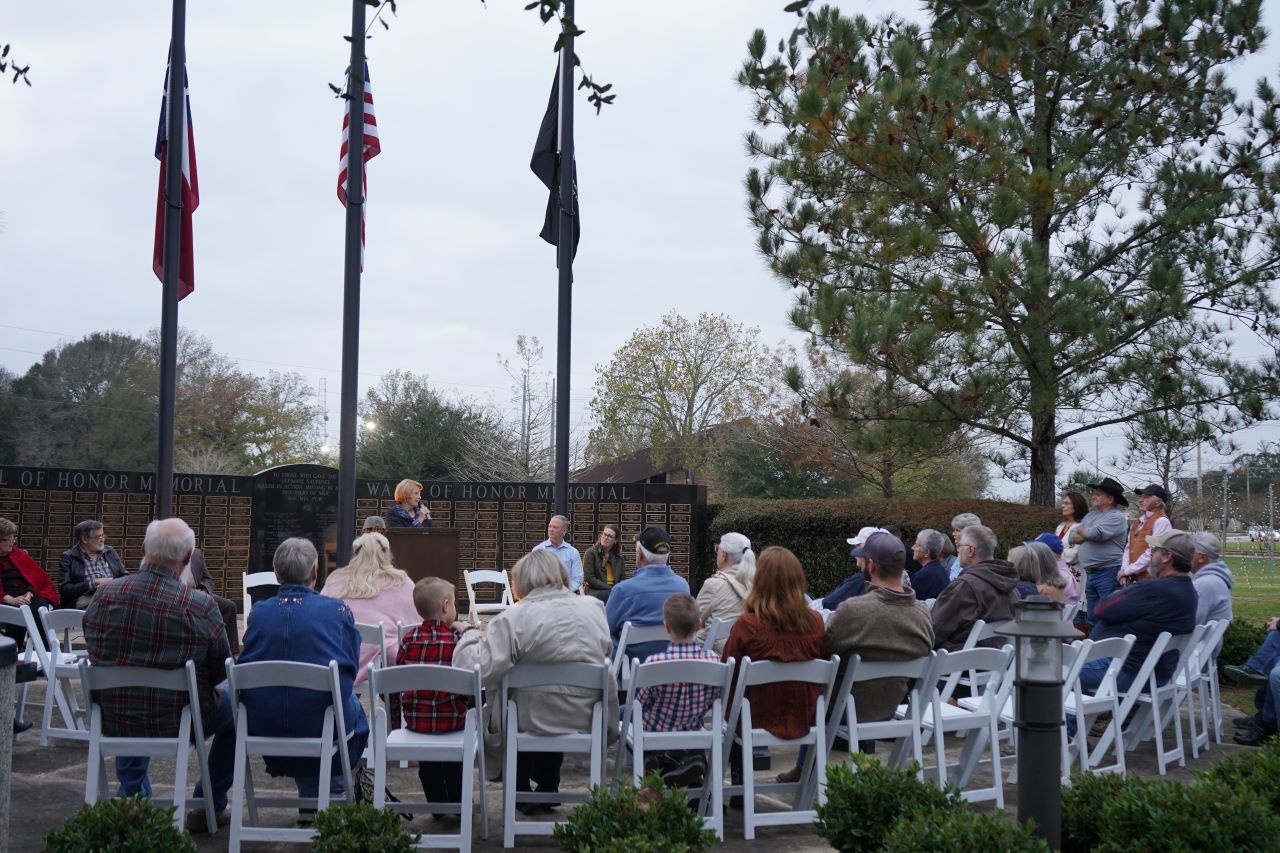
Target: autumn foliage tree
[1028,214]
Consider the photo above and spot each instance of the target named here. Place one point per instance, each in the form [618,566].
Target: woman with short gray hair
[549,624]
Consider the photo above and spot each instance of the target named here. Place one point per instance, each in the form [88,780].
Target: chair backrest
[718,630]
[975,635]
[62,620]
[753,673]
[1212,643]
[426,676]
[22,617]
[917,671]
[711,673]
[929,602]
[914,669]
[1069,611]
[1187,646]
[254,580]
[1074,656]
[634,635]
[567,674]
[282,673]
[471,577]
[108,677]
[991,661]
[374,635]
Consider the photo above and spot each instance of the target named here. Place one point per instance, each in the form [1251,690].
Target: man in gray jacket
[1211,578]
[1101,535]
[984,590]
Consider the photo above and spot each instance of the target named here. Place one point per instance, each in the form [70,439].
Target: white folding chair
[753,674]
[465,746]
[32,652]
[62,672]
[501,579]
[718,630]
[188,738]
[638,740]
[1129,699]
[929,602]
[374,635]
[980,723]
[977,632]
[906,726]
[331,741]
[1069,612]
[252,581]
[633,635]
[589,676]
[1160,704]
[1085,707]
[1204,681]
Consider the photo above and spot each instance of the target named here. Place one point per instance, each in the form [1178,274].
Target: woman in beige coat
[723,593]
[548,625]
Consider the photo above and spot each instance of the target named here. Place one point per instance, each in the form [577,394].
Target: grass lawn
[1256,594]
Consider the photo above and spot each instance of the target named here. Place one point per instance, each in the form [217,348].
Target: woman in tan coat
[549,625]
[722,595]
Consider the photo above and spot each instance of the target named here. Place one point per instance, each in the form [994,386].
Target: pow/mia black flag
[546,165]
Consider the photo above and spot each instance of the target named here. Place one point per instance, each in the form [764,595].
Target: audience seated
[430,711]
[678,707]
[87,565]
[959,523]
[639,598]
[376,591]
[302,626]
[22,581]
[1262,670]
[549,624]
[932,578]
[196,574]
[1211,578]
[1038,572]
[151,619]
[1071,585]
[856,584]
[723,594]
[983,590]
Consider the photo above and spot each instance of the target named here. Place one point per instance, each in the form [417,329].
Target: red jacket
[34,575]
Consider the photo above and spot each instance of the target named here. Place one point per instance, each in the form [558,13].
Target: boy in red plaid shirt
[678,707]
[430,711]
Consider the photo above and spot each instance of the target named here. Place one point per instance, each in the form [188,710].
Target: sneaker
[1246,722]
[196,822]
[789,776]
[21,726]
[1244,674]
[688,775]
[1257,735]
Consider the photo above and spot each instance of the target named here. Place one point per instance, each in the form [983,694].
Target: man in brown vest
[1151,521]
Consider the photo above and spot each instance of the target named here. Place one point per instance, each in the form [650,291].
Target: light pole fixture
[1039,633]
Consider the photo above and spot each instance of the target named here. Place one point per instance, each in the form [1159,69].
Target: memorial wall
[239,520]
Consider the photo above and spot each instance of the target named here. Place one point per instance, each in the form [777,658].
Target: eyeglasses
[966,545]
[12,537]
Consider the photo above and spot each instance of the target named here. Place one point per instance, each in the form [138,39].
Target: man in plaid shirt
[431,711]
[152,619]
[678,707]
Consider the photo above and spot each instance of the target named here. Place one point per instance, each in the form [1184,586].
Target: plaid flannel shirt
[430,711]
[152,619]
[677,707]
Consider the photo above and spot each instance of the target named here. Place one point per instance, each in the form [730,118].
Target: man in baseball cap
[639,598]
[857,583]
[1152,520]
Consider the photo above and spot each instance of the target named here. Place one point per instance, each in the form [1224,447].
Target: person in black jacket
[87,565]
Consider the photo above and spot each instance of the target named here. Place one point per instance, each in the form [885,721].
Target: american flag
[190,193]
[372,147]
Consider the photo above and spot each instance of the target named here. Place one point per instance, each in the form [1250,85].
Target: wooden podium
[426,552]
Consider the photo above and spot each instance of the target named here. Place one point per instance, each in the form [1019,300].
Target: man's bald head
[169,543]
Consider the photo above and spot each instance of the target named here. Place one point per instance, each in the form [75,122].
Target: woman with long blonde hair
[376,591]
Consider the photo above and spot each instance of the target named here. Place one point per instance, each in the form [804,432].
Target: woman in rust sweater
[777,625]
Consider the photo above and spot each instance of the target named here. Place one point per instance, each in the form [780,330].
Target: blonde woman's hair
[404,488]
[538,569]
[370,570]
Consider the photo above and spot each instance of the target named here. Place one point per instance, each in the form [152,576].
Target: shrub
[1241,641]
[864,800]
[130,824]
[962,831]
[816,530]
[1175,816]
[1082,804]
[621,819]
[1257,770]
[360,826]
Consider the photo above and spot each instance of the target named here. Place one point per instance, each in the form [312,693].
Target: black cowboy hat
[1112,488]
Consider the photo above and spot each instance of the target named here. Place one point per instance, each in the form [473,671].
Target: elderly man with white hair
[1211,578]
[958,524]
[639,598]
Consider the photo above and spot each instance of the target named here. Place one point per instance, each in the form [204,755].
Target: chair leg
[748,781]
[239,788]
[93,772]
[509,788]
[997,777]
[467,796]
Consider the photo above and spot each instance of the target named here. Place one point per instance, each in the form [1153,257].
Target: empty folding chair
[259,581]
[63,673]
[465,746]
[502,582]
[741,731]
[1085,708]
[331,742]
[638,740]
[589,741]
[718,630]
[374,635]
[633,635]
[1160,704]
[189,737]
[31,652]
[1202,673]
[980,723]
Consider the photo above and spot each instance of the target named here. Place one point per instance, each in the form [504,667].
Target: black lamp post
[1037,711]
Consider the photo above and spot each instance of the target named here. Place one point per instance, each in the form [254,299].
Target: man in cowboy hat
[1101,536]
[1152,521]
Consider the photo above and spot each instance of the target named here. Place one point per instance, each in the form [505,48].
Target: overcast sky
[454,268]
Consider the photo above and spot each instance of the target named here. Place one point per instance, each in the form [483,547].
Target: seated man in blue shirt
[639,598]
[857,583]
[933,577]
[568,555]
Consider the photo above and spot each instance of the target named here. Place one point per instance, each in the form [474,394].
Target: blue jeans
[1099,583]
[1091,676]
[1272,701]
[1268,654]
[132,770]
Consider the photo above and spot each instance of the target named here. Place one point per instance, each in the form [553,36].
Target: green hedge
[129,825]
[621,819]
[816,530]
[1241,641]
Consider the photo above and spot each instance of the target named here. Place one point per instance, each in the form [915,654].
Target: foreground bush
[1082,804]
[1240,642]
[1257,770]
[129,825]
[360,826]
[866,799]
[961,831]
[622,819]
[816,530]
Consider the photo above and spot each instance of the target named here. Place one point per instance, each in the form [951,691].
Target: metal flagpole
[174,147]
[564,251]
[351,291]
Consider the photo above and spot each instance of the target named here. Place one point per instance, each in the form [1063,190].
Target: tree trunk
[1044,463]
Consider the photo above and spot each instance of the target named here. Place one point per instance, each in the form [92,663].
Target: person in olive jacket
[87,565]
[603,565]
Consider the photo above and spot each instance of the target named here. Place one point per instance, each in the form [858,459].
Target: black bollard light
[1037,711]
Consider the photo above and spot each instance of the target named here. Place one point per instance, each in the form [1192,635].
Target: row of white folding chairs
[56,661]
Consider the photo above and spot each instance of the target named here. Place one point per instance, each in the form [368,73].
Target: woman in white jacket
[723,593]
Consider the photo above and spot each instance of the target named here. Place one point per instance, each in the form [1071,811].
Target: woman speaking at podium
[408,510]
